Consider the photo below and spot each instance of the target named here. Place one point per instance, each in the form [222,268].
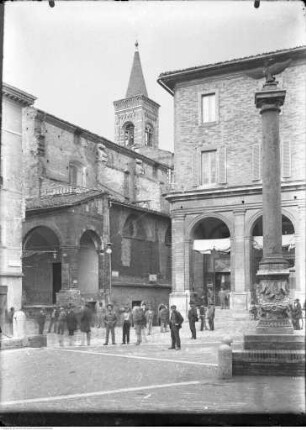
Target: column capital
[270,98]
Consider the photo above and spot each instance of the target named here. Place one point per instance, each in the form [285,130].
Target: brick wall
[238,126]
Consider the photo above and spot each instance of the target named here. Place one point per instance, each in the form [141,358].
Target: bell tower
[136,116]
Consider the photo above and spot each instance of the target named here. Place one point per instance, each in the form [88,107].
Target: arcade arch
[210,265]
[88,264]
[288,246]
[41,266]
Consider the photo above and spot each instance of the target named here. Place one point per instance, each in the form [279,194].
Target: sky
[76,58]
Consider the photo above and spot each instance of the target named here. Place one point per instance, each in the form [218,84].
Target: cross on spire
[137,85]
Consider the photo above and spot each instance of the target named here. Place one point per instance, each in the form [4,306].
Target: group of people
[203,313]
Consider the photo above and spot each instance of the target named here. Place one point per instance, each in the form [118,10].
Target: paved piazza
[137,379]
[150,379]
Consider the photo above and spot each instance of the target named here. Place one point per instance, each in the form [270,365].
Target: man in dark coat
[41,319]
[71,321]
[176,321]
[193,318]
[110,320]
[85,324]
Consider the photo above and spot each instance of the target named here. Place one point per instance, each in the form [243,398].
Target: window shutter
[286,159]
[222,165]
[256,174]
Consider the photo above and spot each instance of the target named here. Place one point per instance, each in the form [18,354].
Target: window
[149,135]
[129,134]
[209,108]
[209,167]
[76,175]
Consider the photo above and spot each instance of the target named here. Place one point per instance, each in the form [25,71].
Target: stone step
[269,362]
[256,341]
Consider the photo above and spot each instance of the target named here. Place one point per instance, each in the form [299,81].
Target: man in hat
[110,320]
[192,318]
[176,321]
[127,322]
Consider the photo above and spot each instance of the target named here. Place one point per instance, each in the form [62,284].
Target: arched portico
[88,264]
[210,259]
[41,266]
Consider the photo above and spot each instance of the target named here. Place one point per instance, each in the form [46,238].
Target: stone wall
[51,145]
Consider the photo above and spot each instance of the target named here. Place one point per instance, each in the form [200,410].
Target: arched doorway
[288,248]
[41,266]
[210,260]
[88,264]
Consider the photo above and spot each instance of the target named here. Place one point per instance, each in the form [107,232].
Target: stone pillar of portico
[180,296]
[273,271]
[69,292]
[239,294]
[300,255]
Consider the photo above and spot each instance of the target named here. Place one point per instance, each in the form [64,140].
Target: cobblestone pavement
[145,378]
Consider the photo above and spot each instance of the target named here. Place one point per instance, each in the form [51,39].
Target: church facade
[97,225]
[216,201]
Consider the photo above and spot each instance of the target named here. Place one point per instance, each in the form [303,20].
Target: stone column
[179,296]
[70,292]
[239,295]
[300,255]
[273,271]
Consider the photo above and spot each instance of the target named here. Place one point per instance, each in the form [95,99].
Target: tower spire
[137,85]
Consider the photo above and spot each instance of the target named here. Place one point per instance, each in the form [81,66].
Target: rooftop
[168,79]
[64,198]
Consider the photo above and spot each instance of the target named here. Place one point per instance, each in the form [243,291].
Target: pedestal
[273,276]
[72,295]
[239,301]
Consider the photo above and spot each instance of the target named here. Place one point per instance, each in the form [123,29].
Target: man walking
[149,319]
[211,316]
[164,317]
[176,321]
[139,320]
[202,317]
[192,318]
[110,320]
[222,297]
[71,321]
[85,324]
[54,319]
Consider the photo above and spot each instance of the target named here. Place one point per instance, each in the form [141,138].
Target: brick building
[84,192]
[12,210]
[216,202]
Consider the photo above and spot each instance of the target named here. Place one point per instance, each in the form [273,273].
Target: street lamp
[108,250]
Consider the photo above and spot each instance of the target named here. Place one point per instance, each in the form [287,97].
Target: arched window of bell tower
[149,135]
[128,134]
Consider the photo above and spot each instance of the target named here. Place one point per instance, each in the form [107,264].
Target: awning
[205,246]
[288,241]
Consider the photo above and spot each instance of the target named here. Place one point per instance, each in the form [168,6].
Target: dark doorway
[57,280]
[136,303]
